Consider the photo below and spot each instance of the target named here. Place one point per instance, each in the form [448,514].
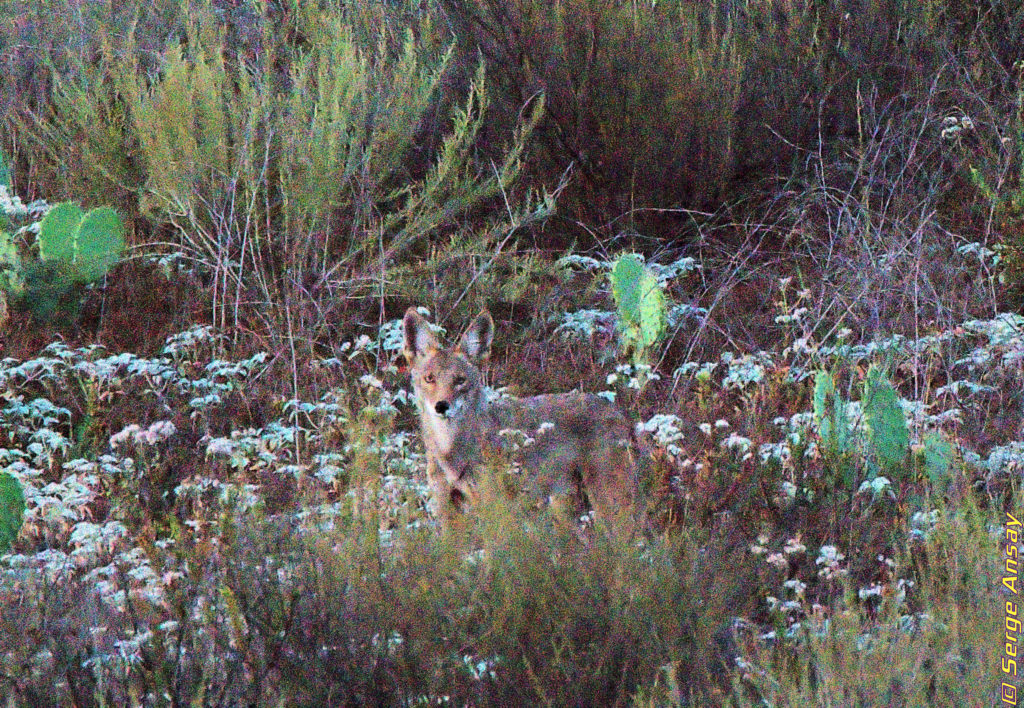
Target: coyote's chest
[455,442]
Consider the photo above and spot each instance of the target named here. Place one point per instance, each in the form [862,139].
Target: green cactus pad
[57,232]
[887,428]
[5,171]
[641,305]
[99,243]
[830,414]
[939,456]
[12,509]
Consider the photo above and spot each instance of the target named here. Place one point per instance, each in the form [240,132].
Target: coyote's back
[572,446]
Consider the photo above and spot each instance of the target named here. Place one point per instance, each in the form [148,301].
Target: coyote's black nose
[441,407]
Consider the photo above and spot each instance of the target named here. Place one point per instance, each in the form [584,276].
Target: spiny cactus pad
[12,509]
[887,428]
[98,243]
[90,242]
[57,232]
[641,304]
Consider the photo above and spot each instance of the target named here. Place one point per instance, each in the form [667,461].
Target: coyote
[571,445]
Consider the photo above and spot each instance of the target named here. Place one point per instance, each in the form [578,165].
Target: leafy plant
[641,304]
[12,508]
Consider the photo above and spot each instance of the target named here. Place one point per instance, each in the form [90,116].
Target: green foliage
[665,103]
[641,96]
[641,306]
[298,157]
[888,434]
[12,508]
[5,171]
[1005,192]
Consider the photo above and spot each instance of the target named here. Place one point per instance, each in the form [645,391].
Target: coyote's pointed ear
[419,339]
[476,340]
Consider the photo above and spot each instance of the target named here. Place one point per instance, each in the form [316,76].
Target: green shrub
[642,97]
[1002,186]
[659,104]
[308,157]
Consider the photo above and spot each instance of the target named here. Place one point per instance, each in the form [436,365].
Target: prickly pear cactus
[12,509]
[99,242]
[57,232]
[641,304]
[830,415]
[75,249]
[10,264]
[888,435]
[91,242]
[939,456]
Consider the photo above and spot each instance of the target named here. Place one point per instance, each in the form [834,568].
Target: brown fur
[573,445]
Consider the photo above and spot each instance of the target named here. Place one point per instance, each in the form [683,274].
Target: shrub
[676,103]
[1002,186]
[304,154]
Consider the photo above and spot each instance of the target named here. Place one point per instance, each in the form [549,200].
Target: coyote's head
[447,381]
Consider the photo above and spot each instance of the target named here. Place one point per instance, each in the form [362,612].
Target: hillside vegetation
[786,237]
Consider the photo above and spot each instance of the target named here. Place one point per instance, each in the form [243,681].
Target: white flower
[874,590]
[124,436]
[794,545]
[796,586]
[758,548]
[829,554]
[162,429]
[876,486]
[220,446]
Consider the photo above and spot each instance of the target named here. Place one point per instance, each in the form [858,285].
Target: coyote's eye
[459,380]
[429,378]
